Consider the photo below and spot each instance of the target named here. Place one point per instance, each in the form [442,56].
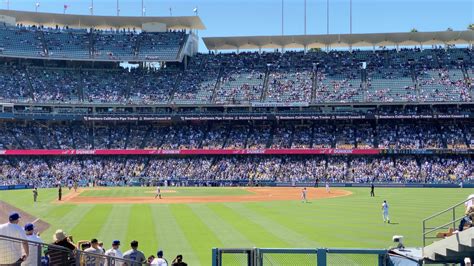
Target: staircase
[455,246]
[452,249]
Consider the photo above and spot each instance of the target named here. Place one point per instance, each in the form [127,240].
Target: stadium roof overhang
[340,40]
[86,21]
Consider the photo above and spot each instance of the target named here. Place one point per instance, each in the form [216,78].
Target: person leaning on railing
[11,251]
[466,222]
[57,255]
[33,248]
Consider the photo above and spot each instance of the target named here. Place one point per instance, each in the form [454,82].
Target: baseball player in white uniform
[13,252]
[158,192]
[328,189]
[303,195]
[386,218]
[31,236]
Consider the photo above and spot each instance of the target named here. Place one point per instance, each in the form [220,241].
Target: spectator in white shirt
[159,261]
[31,236]
[11,250]
[115,251]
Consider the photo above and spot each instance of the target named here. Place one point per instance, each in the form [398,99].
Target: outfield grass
[193,229]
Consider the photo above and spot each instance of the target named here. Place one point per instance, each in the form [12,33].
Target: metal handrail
[442,226]
[448,209]
[453,221]
[76,254]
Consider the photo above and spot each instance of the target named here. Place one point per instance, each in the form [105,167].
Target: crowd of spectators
[291,77]
[23,245]
[360,135]
[143,170]
[98,44]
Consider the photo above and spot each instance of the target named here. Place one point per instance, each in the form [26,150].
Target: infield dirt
[257,194]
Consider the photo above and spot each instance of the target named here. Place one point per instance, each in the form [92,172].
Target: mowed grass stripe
[115,228]
[201,237]
[172,239]
[67,222]
[91,222]
[228,234]
[142,229]
[290,237]
[316,222]
[251,230]
[284,219]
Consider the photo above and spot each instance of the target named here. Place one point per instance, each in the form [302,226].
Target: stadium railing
[443,221]
[48,254]
[282,256]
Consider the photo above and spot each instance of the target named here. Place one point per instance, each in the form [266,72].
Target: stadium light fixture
[282,17]
[304,17]
[327,17]
[350,16]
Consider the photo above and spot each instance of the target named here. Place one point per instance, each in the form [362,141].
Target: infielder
[386,218]
[158,192]
[328,190]
[303,195]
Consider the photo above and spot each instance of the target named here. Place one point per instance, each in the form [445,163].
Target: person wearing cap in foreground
[11,252]
[115,251]
[159,261]
[31,236]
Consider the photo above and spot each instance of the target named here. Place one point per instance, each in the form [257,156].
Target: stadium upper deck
[97,38]
[290,79]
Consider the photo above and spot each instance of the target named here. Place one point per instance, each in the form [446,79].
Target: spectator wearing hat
[57,255]
[31,236]
[115,251]
[159,261]
[11,252]
[134,254]
[178,261]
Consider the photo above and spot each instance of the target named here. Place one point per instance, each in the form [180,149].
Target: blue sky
[263,17]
